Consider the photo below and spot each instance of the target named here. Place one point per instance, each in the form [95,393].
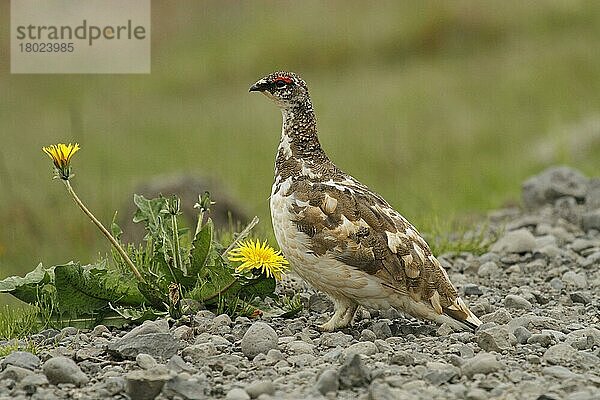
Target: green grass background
[444,107]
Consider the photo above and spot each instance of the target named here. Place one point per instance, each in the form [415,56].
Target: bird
[342,238]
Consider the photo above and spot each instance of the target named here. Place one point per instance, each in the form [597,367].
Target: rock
[259,338]
[552,184]
[500,317]
[221,320]
[319,303]
[100,330]
[15,373]
[559,372]
[21,359]
[580,297]
[300,347]
[577,280]
[543,339]
[382,391]
[482,363]
[583,339]
[367,335]
[64,370]
[353,373]
[402,358]
[334,339]
[114,385]
[145,361]
[183,332]
[495,339]
[381,328]
[198,353]
[564,354]
[177,364]
[146,384]
[444,330]
[471,289]
[237,394]
[159,345]
[438,373]
[488,268]
[591,220]
[32,382]
[257,388]
[366,348]
[516,302]
[328,381]
[185,387]
[519,241]
[556,283]
[522,334]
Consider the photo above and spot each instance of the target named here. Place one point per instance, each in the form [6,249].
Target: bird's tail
[461,313]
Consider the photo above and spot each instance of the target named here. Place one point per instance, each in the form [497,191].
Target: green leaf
[257,287]
[86,290]
[27,288]
[217,279]
[148,212]
[138,314]
[156,298]
[201,247]
[79,291]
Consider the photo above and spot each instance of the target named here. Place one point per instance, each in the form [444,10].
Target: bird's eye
[280,83]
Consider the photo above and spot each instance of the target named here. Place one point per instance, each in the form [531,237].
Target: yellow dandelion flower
[255,255]
[61,157]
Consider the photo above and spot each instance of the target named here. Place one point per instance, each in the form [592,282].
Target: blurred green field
[442,107]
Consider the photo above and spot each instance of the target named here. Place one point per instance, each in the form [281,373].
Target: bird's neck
[299,138]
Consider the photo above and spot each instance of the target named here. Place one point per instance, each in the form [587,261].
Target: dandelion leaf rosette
[87,290]
[30,287]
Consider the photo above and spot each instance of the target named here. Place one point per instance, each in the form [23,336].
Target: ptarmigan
[343,238]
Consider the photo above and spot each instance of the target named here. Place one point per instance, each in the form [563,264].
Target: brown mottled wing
[356,226]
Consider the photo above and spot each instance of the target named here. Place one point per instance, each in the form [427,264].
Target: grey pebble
[580,297]
[328,381]
[471,289]
[64,370]
[237,394]
[353,373]
[543,339]
[517,302]
[518,241]
[146,384]
[145,361]
[14,373]
[257,388]
[495,339]
[488,268]
[186,387]
[259,338]
[482,363]
[522,334]
[21,359]
[366,348]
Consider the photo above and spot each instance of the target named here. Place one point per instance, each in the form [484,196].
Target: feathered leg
[344,310]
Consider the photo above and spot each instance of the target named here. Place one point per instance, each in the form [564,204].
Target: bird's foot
[341,318]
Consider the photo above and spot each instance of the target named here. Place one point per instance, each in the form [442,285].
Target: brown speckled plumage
[340,236]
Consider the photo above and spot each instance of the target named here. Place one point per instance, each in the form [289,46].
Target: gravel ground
[536,292]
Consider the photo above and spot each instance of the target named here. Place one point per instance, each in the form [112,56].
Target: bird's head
[286,89]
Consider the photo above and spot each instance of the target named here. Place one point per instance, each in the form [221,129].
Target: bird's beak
[259,86]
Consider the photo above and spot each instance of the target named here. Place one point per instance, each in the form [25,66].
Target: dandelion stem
[106,233]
